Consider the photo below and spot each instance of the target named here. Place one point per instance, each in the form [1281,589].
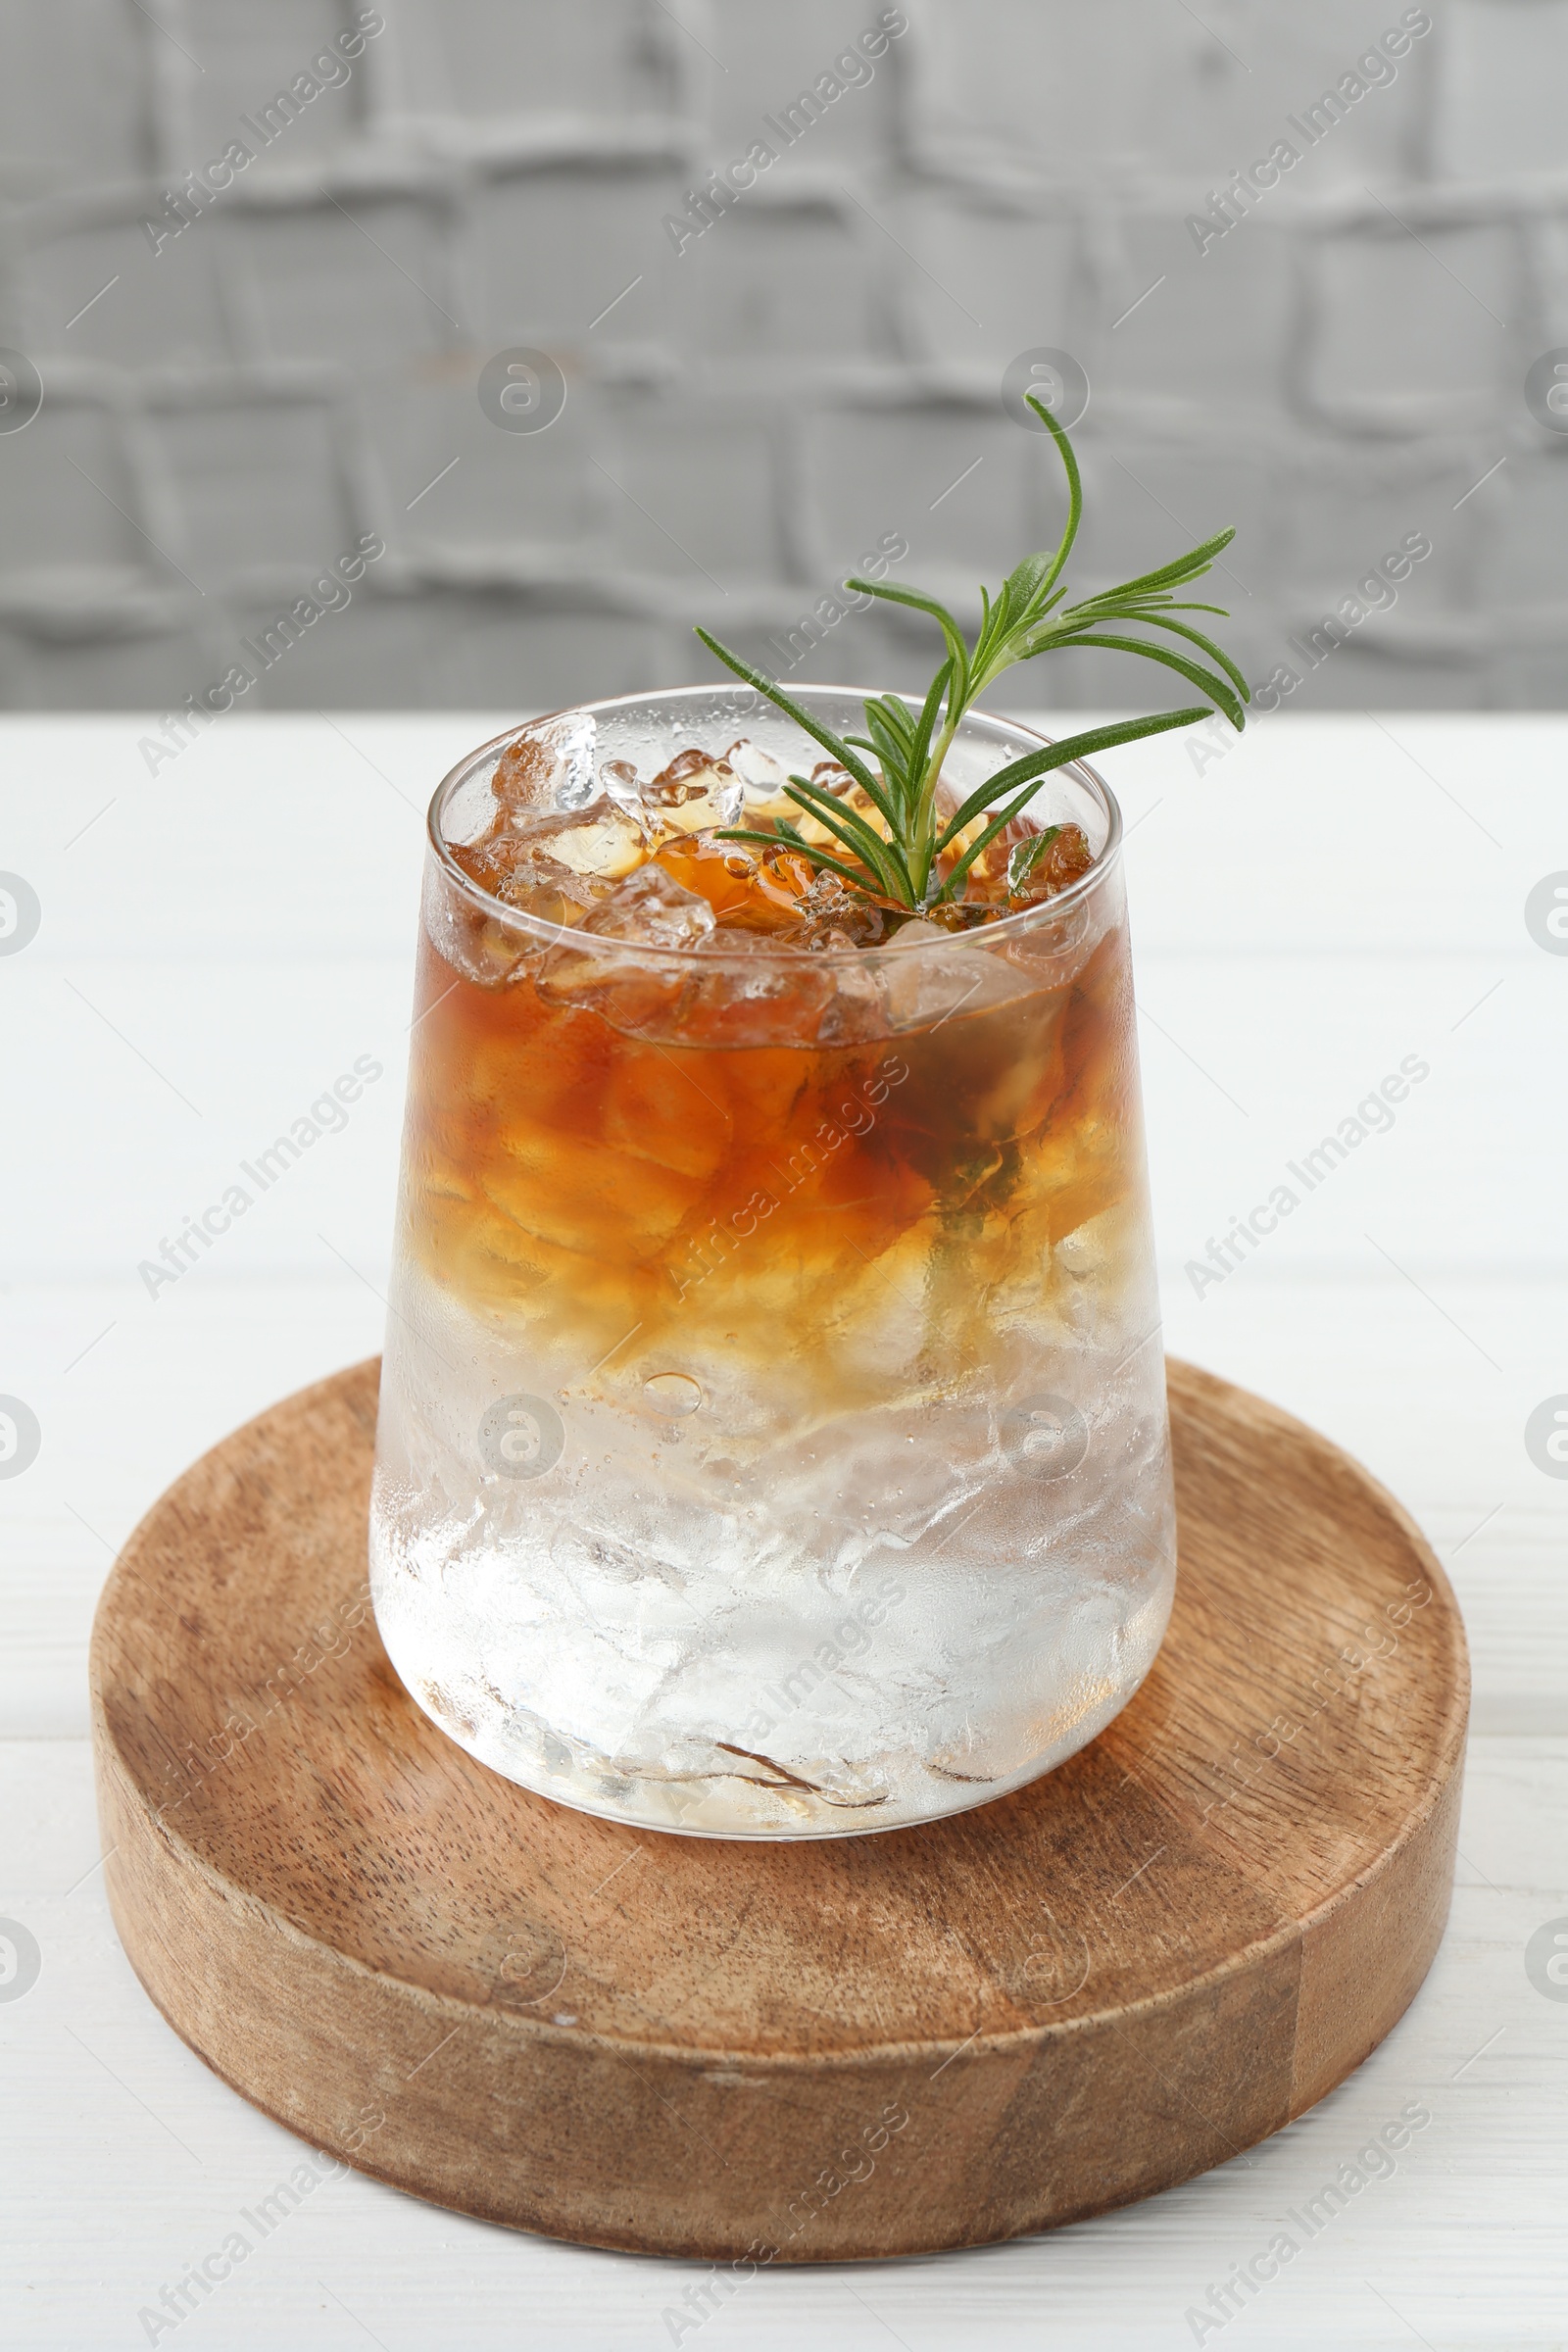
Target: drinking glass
[773,1439]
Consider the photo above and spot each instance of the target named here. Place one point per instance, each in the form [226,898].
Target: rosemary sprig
[905,751]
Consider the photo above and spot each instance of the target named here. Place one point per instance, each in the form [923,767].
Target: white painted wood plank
[1305,912]
[128,2161]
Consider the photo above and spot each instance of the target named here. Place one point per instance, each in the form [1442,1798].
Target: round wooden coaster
[801,2052]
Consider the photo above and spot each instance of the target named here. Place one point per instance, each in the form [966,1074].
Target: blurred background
[271,268]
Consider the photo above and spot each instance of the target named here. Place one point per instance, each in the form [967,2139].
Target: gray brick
[776,282]
[1347,509]
[259,482]
[511,494]
[1527,505]
[1526,678]
[74,93]
[360,286]
[1147,501]
[1028,84]
[376,651]
[953,482]
[123,672]
[988,281]
[694,492]
[526,657]
[166,307]
[1134,88]
[1503,69]
[1215,335]
[551,249]
[1547,319]
[1382,673]
[474,59]
[63,482]
[770,57]
[1406,327]
[246,57]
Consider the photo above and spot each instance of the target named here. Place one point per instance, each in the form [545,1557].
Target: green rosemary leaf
[1075,494]
[921,748]
[1206,645]
[803,718]
[983,841]
[772,832]
[1035,766]
[1208,681]
[928,605]
[1092,740]
[896,712]
[1026,580]
[873,788]
[1191,566]
[1170,604]
[884,857]
[891,751]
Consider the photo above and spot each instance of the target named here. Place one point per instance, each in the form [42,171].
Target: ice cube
[652,908]
[694,792]
[835,917]
[550,764]
[755,992]
[483,947]
[762,778]
[1034,876]
[620,778]
[600,839]
[640,995]
[942,978]
[552,893]
[856,1011]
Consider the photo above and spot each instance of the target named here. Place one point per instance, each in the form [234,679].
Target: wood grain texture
[941,2037]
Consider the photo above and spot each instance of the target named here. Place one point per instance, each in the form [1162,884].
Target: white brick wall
[300,365]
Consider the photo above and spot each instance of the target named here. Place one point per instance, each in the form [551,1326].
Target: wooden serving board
[798,2052]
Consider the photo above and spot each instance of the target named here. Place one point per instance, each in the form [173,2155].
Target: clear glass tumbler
[773,1439]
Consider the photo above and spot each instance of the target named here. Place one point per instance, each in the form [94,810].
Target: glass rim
[1006,927]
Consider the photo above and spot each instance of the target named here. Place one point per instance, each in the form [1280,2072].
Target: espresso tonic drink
[774,1436]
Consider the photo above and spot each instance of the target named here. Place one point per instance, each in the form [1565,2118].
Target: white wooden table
[219,942]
